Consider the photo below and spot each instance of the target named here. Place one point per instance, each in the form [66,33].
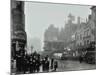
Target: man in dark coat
[52,63]
[31,64]
[38,63]
[43,64]
[47,65]
[80,59]
[34,65]
[55,65]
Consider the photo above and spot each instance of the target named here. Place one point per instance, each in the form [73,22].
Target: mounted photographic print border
[52,37]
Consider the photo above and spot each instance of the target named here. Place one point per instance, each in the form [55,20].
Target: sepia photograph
[52,37]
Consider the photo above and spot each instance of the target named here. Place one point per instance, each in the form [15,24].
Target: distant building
[90,29]
[79,35]
[87,31]
[69,28]
[54,45]
[93,17]
[92,22]
[51,34]
[62,37]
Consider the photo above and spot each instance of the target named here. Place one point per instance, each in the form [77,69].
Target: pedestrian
[25,64]
[43,64]
[55,65]
[38,64]
[31,64]
[19,60]
[80,59]
[46,63]
[18,64]
[52,63]
[34,65]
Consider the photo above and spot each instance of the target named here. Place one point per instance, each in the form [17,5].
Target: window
[88,41]
[81,36]
[85,33]
[84,42]
[88,32]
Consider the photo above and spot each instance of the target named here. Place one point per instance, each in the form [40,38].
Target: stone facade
[87,32]
[18,34]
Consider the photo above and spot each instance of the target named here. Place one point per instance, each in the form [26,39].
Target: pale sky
[38,16]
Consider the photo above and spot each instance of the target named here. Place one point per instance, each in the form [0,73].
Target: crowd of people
[35,63]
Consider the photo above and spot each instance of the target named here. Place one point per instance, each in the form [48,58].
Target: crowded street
[39,64]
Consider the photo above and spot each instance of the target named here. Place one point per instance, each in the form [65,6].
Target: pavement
[70,65]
